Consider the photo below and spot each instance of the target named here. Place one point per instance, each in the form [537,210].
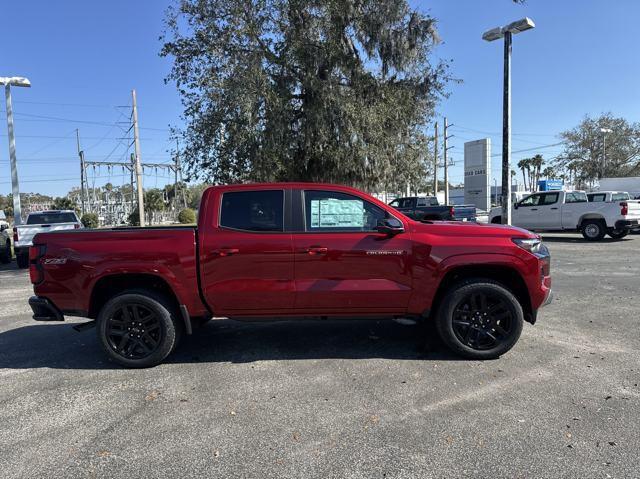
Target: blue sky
[83,59]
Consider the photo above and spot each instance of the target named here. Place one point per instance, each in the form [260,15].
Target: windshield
[51,218]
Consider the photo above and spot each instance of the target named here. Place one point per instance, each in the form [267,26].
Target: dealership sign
[477,171]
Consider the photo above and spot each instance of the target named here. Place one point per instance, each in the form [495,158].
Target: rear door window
[576,197]
[550,199]
[261,210]
[51,218]
[593,198]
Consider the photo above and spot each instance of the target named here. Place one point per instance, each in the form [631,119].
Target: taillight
[36,273]
[452,211]
[624,208]
[76,227]
[15,234]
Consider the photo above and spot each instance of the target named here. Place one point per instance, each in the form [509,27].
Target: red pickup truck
[291,250]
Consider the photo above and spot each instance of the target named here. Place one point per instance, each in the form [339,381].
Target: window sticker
[336,213]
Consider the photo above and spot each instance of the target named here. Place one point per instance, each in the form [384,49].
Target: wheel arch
[591,216]
[111,285]
[506,276]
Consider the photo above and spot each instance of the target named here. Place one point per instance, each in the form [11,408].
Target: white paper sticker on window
[335,213]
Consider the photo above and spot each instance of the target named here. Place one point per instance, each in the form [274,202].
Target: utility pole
[15,189]
[81,155]
[446,162]
[175,182]
[136,138]
[435,161]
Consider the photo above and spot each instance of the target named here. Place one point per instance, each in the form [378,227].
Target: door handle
[554,208]
[314,250]
[534,209]
[227,251]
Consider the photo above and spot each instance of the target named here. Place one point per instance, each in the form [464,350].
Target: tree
[65,203]
[585,153]
[153,201]
[333,90]
[90,220]
[187,216]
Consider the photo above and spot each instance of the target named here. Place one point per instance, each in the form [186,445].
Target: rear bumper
[44,310]
[627,224]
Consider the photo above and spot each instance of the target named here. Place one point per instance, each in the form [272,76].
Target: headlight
[532,245]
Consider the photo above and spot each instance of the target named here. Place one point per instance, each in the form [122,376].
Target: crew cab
[427,208]
[608,196]
[291,250]
[571,211]
[38,222]
[5,240]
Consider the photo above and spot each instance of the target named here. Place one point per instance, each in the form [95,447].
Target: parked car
[5,240]
[291,250]
[38,222]
[427,208]
[608,196]
[571,211]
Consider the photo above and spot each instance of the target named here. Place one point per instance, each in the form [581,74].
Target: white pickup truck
[40,222]
[571,211]
[5,240]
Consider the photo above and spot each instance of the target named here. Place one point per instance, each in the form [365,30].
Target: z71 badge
[55,260]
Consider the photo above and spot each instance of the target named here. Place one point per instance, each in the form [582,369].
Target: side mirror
[3,227]
[390,226]
[515,206]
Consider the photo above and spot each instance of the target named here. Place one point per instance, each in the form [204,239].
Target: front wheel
[22,259]
[593,230]
[137,329]
[5,255]
[480,319]
[618,234]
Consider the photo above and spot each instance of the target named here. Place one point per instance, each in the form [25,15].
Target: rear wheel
[593,230]
[138,329]
[5,254]
[480,319]
[22,259]
[618,234]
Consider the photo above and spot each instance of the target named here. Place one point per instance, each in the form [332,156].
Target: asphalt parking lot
[328,399]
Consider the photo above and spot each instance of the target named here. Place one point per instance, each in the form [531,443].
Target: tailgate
[27,232]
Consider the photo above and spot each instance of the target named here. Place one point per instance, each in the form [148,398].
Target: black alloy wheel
[139,328]
[479,319]
[482,320]
[134,331]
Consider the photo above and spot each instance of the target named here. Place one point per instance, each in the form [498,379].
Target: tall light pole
[507,32]
[604,132]
[8,82]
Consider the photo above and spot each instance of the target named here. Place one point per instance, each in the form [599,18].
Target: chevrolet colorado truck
[295,251]
[572,211]
[427,208]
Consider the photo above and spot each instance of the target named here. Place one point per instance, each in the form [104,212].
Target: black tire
[5,255]
[618,234]
[593,230]
[23,260]
[479,328]
[123,319]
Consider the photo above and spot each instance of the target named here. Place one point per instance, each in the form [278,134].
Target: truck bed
[88,256]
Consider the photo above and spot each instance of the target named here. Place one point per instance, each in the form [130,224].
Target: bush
[89,220]
[187,216]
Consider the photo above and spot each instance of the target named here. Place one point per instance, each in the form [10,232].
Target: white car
[5,239]
[40,222]
[571,211]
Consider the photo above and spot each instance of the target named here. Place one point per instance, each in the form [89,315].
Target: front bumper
[622,225]
[44,310]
